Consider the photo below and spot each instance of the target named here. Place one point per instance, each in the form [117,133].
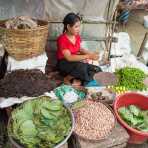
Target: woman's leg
[70,80]
[81,71]
[78,70]
[94,68]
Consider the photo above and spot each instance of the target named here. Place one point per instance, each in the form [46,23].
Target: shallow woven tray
[106,78]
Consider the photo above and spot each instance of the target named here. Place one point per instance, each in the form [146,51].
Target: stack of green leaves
[135,117]
[131,78]
[40,123]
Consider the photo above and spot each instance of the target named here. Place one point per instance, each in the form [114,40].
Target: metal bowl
[18,145]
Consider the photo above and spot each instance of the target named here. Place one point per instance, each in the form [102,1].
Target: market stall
[44,114]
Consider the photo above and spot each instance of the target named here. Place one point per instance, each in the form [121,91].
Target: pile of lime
[118,89]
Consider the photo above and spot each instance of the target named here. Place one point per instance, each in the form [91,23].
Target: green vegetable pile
[131,78]
[40,123]
[135,117]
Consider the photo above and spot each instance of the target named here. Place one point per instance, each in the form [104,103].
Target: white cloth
[38,62]
[146,21]
[145,56]
[128,60]
[70,97]
[146,46]
[123,46]
[6,102]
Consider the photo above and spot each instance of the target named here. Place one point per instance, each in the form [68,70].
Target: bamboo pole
[143,45]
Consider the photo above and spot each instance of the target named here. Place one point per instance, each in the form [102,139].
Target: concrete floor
[136,31]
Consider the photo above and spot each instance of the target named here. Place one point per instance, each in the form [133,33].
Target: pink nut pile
[94,121]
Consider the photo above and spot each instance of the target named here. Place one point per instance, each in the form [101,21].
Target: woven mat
[105,78]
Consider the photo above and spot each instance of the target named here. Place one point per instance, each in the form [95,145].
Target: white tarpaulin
[56,9]
[100,11]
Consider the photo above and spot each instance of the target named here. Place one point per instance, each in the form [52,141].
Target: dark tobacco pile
[29,83]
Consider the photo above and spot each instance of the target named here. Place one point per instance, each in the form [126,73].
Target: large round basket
[107,131]
[24,43]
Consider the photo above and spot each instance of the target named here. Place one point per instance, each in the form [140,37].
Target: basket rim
[21,30]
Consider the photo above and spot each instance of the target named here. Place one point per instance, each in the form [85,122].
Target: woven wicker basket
[24,43]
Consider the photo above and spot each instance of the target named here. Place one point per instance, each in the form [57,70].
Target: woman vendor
[71,56]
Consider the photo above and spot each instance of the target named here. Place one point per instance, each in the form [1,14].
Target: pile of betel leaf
[135,117]
[40,123]
[131,78]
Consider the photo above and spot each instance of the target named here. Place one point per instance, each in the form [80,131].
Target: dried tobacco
[25,83]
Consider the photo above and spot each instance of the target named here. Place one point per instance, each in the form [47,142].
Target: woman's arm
[92,55]
[71,58]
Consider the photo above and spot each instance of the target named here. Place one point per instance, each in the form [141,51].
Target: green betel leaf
[145,117]
[58,139]
[143,127]
[28,128]
[47,114]
[54,105]
[134,109]
[138,119]
[125,113]
[40,123]
[20,115]
[28,108]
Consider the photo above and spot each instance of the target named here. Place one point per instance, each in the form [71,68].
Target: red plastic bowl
[136,137]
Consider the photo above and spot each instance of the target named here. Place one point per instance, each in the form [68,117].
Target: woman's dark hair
[70,19]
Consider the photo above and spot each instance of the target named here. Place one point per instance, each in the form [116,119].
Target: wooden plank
[87,22]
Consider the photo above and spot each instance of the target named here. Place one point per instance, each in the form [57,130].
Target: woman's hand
[74,57]
[94,56]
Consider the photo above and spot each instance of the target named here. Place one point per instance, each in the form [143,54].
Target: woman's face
[75,29]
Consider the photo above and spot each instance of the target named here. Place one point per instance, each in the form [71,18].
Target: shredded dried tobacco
[25,83]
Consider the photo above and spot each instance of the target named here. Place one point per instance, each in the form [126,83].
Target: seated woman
[70,55]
